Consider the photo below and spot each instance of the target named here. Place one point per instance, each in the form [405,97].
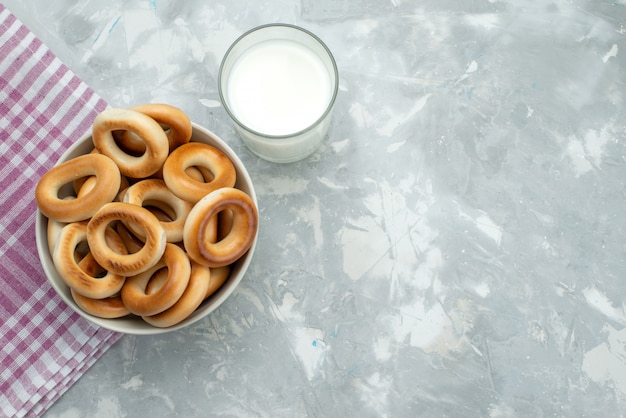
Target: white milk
[279,87]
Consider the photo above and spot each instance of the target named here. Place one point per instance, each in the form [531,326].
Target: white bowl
[132,324]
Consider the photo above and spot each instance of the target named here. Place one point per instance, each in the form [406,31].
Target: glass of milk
[278,83]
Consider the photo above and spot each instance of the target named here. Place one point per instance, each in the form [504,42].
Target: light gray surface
[455,248]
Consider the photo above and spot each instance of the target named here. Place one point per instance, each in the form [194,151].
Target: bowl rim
[123,325]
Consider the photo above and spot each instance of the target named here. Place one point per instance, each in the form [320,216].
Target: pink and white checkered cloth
[44,345]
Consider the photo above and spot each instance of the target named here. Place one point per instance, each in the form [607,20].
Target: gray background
[454,248]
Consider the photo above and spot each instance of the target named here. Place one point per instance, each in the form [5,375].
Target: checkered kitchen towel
[44,345]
